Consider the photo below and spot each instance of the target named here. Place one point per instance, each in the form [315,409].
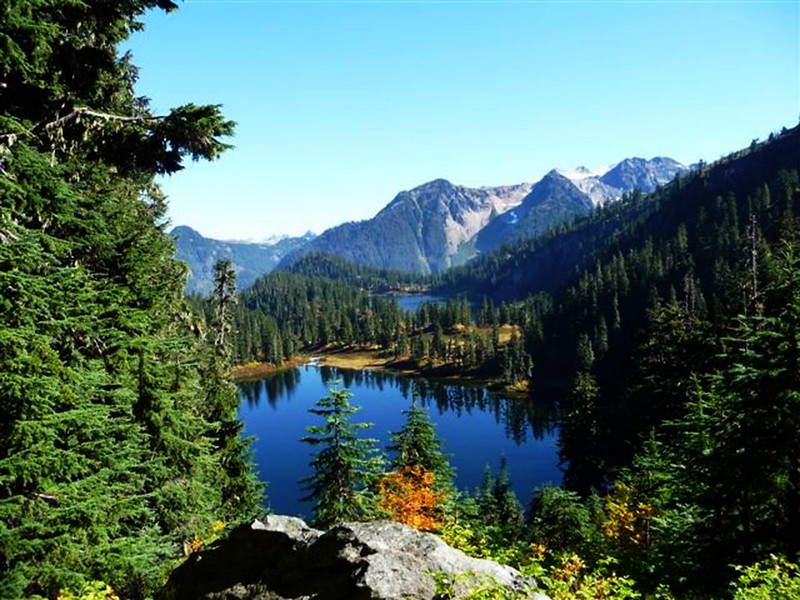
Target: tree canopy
[110,456]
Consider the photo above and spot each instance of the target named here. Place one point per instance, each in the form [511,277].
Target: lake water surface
[476,428]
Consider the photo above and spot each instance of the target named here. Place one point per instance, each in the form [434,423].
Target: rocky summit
[283,558]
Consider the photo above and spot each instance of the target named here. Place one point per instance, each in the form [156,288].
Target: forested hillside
[672,343]
[287,313]
[706,245]
[327,266]
[119,444]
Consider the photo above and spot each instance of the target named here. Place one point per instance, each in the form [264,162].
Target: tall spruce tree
[345,467]
[416,445]
[106,464]
[240,488]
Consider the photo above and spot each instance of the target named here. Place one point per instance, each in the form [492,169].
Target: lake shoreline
[253,371]
[359,359]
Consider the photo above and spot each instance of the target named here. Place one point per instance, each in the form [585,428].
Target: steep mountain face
[421,230]
[249,260]
[553,200]
[439,225]
[645,175]
[562,195]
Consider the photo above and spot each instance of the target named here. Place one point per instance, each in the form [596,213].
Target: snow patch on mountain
[588,181]
[581,172]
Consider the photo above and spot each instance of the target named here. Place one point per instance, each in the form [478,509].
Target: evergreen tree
[499,509]
[579,443]
[106,465]
[345,466]
[723,478]
[240,488]
[561,522]
[416,445]
[510,515]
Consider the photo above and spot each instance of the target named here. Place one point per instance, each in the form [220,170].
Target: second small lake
[476,428]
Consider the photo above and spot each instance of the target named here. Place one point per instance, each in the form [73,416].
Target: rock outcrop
[283,558]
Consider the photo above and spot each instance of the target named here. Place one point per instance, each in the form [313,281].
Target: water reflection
[278,386]
[520,417]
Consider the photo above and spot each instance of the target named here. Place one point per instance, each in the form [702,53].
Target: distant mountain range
[439,225]
[435,226]
[250,260]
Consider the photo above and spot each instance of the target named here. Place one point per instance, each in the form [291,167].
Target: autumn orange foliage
[408,496]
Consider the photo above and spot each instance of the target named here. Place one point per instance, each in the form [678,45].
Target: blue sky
[340,105]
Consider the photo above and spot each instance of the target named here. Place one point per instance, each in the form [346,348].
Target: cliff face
[283,558]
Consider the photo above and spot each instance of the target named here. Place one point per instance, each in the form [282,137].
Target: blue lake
[476,428]
[411,302]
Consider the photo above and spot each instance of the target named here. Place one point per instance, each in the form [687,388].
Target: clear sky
[342,104]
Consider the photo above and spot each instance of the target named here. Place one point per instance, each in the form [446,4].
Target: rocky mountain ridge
[564,194]
[436,225]
[439,224]
[420,230]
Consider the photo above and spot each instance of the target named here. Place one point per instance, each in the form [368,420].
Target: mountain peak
[185,232]
[436,186]
[645,175]
[582,172]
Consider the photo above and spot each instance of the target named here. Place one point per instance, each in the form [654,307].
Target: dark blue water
[411,302]
[476,428]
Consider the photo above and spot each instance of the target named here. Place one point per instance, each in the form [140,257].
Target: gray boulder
[282,558]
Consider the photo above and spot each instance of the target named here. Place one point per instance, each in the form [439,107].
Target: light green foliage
[560,521]
[93,590]
[558,572]
[773,579]
[561,577]
[569,578]
[471,586]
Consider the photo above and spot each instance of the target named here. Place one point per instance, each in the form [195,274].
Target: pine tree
[560,521]
[417,446]
[509,512]
[345,466]
[499,508]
